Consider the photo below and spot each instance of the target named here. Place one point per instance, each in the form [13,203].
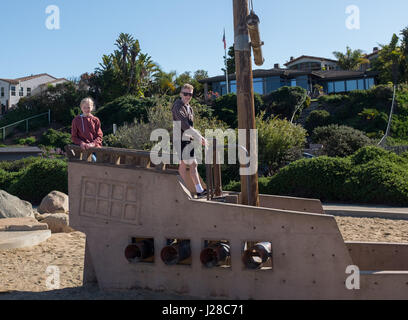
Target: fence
[11,127]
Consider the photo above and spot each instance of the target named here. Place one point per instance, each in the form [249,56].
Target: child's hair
[90,101]
[188,87]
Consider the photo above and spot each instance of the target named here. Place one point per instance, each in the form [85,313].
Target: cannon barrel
[139,250]
[176,252]
[215,254]
[254,257]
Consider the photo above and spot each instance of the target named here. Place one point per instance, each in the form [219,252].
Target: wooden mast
[245,95]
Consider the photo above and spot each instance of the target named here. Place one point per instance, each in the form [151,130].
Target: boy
[183,112]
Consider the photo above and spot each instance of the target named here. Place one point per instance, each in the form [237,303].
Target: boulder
[57,222]
[13,207]
[54,202]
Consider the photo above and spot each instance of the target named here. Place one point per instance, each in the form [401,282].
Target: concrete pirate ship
[144,229]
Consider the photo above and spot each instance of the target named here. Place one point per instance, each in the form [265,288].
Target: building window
[330,87]
[339,86]
[369,83]
[21,92]
[293,82]
[2,91]
[258,86]
[13,91]
[360,83]
[28,92]
[351,85]
[233,85]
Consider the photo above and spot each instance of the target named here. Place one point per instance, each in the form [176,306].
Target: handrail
[14,123]
[3,129]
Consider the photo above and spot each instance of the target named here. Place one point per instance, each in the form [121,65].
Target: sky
[184,35]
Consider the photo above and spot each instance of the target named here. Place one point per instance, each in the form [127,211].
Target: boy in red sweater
[86,128]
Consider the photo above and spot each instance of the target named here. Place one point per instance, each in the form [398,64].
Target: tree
[404,50]
[351,60]
[230,61]
[390,54]
[126,71]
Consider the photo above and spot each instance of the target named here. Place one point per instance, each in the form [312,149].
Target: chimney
[291,58]
[375,49]
[276,66]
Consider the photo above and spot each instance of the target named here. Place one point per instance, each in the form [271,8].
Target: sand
[23,271]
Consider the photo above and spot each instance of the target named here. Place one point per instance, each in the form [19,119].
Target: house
[266,81]
[310,63]
[12,90]
[305,72]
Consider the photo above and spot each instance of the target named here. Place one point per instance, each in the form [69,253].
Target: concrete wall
[112,204]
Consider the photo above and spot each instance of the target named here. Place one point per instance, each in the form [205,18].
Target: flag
[225,41]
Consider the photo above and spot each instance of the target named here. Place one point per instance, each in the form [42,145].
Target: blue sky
[182,35]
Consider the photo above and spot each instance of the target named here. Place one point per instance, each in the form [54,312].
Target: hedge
[371,175]
[41,177]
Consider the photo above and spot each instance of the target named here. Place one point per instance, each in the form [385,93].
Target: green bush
[340,141]
[26,141]
[18,165]
[7,179]
[282,102]
[379,181]
[39,179]
[371,175]
[317,118]
[225,108]
[279,142]
[126,109]
[55,139]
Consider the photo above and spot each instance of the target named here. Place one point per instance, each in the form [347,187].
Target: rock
[54,202]
[21,224]
[57,222]
[13,207]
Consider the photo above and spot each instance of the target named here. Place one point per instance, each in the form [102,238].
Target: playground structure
[144,229]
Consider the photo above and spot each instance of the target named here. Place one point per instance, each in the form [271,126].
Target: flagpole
[225,62]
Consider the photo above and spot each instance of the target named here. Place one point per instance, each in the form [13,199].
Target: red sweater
[86,129]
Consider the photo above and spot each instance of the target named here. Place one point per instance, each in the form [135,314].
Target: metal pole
[49,116]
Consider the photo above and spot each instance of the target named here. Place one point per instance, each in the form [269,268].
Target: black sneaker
[202,194]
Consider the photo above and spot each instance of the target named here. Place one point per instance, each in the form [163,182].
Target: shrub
[371,175]
[379,181]
[277,141]
[317,118]
[123,110]
[18,165]
[283,102]
[340,141]
[39,179]
[7,179]
[26,141]
[374,153]
[225,108]
[137,134]
[55,139]
[321,178]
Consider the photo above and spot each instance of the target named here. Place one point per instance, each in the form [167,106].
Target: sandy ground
[23,271]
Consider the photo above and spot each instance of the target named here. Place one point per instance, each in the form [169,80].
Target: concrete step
[22,239]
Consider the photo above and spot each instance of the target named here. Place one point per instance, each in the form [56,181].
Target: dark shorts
[183,145]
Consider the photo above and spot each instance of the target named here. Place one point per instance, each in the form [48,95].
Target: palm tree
[351,60]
